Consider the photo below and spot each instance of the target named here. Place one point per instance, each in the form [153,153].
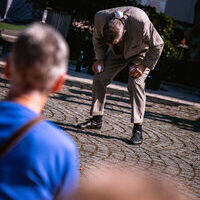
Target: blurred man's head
[38,60]
[113,31]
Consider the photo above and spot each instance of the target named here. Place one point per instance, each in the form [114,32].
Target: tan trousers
[136,87]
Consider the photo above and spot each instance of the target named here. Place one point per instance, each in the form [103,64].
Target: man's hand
[95,66]
[136,71]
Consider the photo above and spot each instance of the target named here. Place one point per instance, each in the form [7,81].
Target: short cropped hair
[112,30]
[38,58]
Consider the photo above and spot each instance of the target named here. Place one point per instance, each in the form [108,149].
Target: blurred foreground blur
[128,184]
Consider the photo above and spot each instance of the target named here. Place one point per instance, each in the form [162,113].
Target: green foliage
[165,26]
[173,57]
[11,26]
[80,37]
[85,9]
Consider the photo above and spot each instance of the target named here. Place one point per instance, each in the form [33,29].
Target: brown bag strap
[17,136]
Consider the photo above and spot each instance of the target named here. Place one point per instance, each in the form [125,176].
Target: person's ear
[6,69]
[59,83]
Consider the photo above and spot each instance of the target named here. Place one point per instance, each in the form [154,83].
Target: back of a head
[113,30]
[38,58]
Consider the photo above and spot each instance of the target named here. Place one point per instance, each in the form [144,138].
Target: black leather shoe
[90,124]
[136,138]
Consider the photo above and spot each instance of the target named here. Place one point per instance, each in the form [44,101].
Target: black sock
[137,127]
[97,118]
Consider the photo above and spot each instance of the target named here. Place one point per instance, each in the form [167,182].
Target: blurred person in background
[44,164]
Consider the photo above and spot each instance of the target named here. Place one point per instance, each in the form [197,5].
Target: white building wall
[158,4]
[181,10]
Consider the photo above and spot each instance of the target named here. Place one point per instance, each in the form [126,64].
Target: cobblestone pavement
[171,133]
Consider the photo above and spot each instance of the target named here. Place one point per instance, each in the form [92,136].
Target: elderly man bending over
[123,37]
[44,164]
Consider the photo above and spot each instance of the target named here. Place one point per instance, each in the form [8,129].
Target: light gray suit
[141,45]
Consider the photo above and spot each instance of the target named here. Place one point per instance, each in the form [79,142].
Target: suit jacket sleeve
[99,44]
[155,43]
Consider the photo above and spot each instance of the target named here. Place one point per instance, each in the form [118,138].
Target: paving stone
[171,133]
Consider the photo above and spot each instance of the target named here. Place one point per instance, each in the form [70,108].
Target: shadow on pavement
[72,128]
[181,123]
[168,90]
[122,99]
[65,97]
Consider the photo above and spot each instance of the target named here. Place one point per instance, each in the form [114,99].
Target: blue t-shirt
[44,165]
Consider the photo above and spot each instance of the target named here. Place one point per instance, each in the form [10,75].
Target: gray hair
[38,58]
[113,29]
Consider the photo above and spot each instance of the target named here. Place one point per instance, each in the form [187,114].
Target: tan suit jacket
[142,43]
